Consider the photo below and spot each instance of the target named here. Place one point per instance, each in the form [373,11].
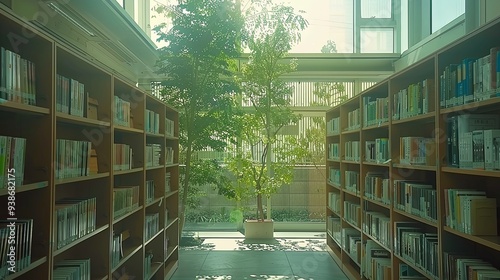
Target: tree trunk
[260,210]
[187,173]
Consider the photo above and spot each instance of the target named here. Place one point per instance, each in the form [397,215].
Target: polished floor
[231,257]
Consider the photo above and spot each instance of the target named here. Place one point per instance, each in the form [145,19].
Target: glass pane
[377,40]
[376,9]
[444,11]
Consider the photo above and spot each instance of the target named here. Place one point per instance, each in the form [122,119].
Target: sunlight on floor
[218,244]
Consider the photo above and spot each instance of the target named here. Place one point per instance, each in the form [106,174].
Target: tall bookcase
[401,188]
[77,195]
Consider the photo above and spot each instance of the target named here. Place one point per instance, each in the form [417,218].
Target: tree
[329,47]
[198,64]
[270,32]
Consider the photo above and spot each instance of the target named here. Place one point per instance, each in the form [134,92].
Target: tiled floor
[236,259]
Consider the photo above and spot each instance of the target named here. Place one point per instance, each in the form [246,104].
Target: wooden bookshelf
[418,164]
[51,177]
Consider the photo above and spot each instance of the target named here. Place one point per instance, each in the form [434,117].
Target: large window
[444,11]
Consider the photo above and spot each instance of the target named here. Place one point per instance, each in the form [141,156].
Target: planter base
[259,230]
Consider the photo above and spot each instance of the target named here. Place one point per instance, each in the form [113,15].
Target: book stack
[334,228]
[150,191]
[377,150]
[75,218]
[412,101]
[169,127]
[375,111]
[117,247]
[18,247]
[465,266]
[333,126]
[152,122]
[17,78]
[351,243]
[376,264]
[335,176]
[123,157]
[122,112]
[334,201]
[377,187]
[417,246]
[125,200]
[12,161]
[151,225]
[148,261]
[70,96]
[169,155]
[167,183]
[72,270]
[352,151]
[352,213]
[470,211]
[378,226]
[72,158]
[416,198]
[352,181]
[354,120]
[333,151]
[153,154]
[417,151]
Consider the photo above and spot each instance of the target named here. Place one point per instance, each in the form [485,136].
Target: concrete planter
[259,230]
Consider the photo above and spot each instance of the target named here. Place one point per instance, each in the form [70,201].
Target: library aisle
[222,257]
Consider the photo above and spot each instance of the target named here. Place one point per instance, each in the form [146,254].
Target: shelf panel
[22,108]
[429,117]
[126,215]
[351,224]
[171,251]
[168,137]
[488,241]
[332,134]
[156,200]
[153,237]
[79,240]
[352,193]
[154,268]
[157,135]
[170,222]
[475,172]
[133,170]
[375,164]
[379,203]
[333,159]
[32,266]
[351,162]
[128,253]
[416,218]
[169,165]
[472,107]
[119,128]
[420,270]
[82,178]
[171,268]
[26,187]
[155,167]
[333,211]
[416,167]
[351,131]
[70,119]
[335,241]
[169,194]
[382,125]
[377,241]
[338,187]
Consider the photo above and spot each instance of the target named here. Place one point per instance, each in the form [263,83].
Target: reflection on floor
[223,256]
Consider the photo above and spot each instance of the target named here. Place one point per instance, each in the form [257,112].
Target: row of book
[150,191]
[15,245]
[464,266]
[72,158]
[470,211]
[352,213]
[416,198]
[376,261]
[334,201]
[473,141]
[351,181]
[168,186]
[12,161]
[117,247]
[351,243]
[75,218]
[334,176]
[377,151]
[169,127]
[378,226]
[354,119]
[334,228]
[352,150]
[169,155]
[333,126]
[122,113]
[417,151]
[417,246]
[70,96]
[377,187]
[125,200]
[413,100]
[123,157]
[148,262]
[153,155]
[17,78]
[152,122]
[472,79]
[333,151]
[375,110]
[72,270]
[151,225]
